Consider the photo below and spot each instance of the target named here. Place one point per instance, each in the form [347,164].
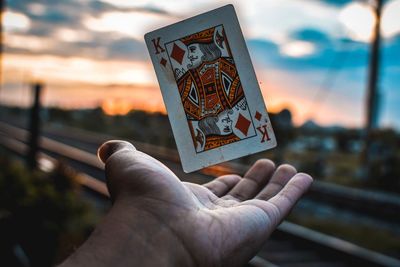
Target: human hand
[157,220]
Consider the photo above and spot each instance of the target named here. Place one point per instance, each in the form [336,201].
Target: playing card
[210,89]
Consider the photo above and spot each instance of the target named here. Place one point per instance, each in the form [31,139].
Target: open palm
[157,220]
[221,223]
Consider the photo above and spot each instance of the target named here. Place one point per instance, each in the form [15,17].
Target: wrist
[131,237]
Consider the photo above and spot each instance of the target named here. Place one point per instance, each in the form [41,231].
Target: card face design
[213,99]
[210,89]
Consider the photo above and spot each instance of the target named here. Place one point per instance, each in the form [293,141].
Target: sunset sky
[310,56]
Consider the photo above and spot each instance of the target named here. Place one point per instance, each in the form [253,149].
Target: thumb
[115,154]
[108,148]
[130,172]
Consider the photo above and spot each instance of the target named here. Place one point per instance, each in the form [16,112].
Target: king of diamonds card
[208,83]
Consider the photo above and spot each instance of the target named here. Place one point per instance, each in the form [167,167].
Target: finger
[111,147]
[279,179]
[284,201]
[221,185]
[253,181]
[131,172]
[121,157]
[114,148]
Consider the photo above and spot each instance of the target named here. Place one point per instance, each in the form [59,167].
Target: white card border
[191,160]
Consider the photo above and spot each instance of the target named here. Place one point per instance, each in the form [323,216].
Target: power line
[329,80]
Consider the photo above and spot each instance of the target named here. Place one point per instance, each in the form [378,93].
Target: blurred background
[75,73]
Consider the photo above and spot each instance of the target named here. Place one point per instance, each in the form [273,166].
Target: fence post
[34,126]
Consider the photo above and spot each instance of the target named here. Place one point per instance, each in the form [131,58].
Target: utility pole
[34,127]
[1,44]
[372,100]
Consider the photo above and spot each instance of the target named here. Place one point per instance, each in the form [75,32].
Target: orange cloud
[78,69]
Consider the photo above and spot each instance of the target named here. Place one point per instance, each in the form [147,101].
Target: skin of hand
[157,220]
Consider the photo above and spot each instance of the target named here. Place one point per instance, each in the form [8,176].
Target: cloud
[60,12]
[276,19]
[133,23]
[332,55]
[101,46]
[15,21]
[59,26]
[78,69]
[337,71]
[47,15]
[327,51]
[58,29]
[102,7]
[127,48]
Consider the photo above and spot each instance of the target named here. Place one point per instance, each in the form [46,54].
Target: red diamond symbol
[258,116]
[163,61]
[177,53]
[242,124]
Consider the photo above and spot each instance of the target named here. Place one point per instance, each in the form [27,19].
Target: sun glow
[359,19]
[14,21]
[390,19]
[116,106]
[297,49]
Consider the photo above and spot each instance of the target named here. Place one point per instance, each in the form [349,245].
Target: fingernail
[110,147]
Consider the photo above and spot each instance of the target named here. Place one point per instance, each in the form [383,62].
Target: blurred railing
[14,139]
